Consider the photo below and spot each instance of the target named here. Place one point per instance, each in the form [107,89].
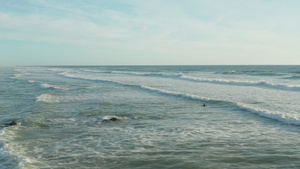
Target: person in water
[204,105]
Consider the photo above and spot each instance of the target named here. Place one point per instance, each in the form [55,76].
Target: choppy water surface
[252,117]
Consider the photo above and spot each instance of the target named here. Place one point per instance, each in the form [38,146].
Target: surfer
[204,105]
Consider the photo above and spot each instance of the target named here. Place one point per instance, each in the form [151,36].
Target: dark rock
[114,119]
[11,123]
[111,119]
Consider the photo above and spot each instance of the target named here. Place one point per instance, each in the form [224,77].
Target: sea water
[251,118]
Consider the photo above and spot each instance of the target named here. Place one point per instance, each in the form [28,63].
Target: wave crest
[245,83]
[287,118]
[216,81]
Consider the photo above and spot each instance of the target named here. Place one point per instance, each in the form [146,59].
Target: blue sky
[149,32]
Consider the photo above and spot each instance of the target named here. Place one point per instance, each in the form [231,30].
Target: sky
[149,32]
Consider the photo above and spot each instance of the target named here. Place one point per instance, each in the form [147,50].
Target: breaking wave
[245,83]
[287,118]
[284,117]
[216,81]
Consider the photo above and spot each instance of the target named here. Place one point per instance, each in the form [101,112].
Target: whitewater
[252,117]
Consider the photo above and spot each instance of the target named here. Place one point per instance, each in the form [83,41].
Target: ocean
[64,117]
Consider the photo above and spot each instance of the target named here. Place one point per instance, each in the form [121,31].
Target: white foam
[184,95]
[31,81]
[155,74]
[57,69]
[19,157]
[73,75]
[285,117]
[7,148]
[45,85]
[48,98]
[206,80]
[52,98]
[244,83]
[19,75]
[16,76]
[138,73]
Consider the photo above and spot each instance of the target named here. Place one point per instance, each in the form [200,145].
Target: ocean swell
[287,118]
[182,76]
[293,77]
[284,117]
[244,83]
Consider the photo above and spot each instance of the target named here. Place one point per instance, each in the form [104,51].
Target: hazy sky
[149,32]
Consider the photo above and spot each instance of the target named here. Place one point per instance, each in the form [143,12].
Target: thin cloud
[213,30]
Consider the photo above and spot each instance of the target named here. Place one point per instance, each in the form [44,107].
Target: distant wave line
[216,81]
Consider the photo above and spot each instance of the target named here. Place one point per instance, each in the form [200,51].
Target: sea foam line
[286,118]
[47,98]
[53,98]
[245,83]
